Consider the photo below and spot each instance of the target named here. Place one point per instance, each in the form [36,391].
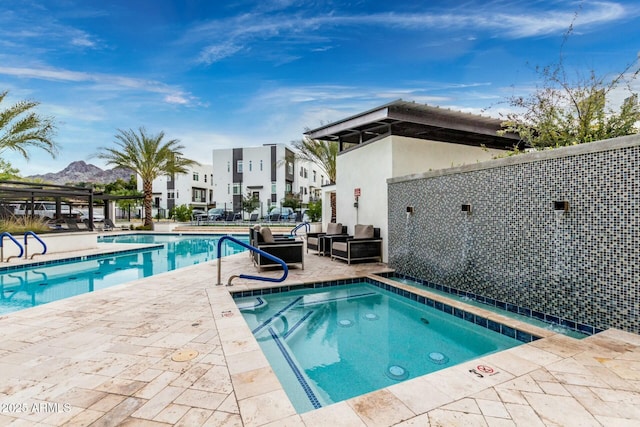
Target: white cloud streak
[230,36]
[172,95]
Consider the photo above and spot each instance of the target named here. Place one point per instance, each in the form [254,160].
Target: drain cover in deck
[184,355]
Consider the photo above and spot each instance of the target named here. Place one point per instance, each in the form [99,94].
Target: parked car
[97,217]
[47,210]
[213,214]
[281,214]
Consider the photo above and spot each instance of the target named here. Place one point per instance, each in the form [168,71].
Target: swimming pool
[43,282]
[331,343]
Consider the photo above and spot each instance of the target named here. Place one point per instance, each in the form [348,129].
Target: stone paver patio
[173,349]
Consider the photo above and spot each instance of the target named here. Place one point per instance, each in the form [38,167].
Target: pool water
[331,344]
[467,300]
[32,286]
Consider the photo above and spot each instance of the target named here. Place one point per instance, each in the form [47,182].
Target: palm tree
[149,157]
[323,154]
[21,128]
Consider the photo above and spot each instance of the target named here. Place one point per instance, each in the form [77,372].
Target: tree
[323,154]
[314,212]
[564,112]
[250,203]
[21,129]
[149,157]
[292,201]
[8,172]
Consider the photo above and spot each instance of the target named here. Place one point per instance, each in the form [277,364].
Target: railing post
[2,236]
[31,233]
[285,269]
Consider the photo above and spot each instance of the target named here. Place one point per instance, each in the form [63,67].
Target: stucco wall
[582,265]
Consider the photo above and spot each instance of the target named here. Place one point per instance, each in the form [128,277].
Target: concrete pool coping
[105,358]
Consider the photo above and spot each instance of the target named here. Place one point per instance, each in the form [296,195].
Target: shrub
[181,213]
[21,224]
[314,211]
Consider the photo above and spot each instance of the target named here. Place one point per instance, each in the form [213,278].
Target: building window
[198,195]
[228,188]
[228,166]
[306,173]
[250,165]
[290,168]
[171,195]
[273,188]
[261,165]
[321,180]
[314,176]
[305,191]
[288,187]
[301,169]
[195,176]
[236,188]
[205,177]
[239,166]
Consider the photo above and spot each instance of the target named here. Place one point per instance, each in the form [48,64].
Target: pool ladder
[285,269]
[306,225]
[23,249]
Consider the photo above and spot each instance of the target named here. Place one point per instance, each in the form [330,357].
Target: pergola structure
[415,120]
[29,192]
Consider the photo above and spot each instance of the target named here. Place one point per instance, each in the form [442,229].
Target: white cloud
[230,36]
[102,81]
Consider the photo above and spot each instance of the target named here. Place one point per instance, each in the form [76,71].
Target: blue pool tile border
[481,321]
[313,399]
[78,258]
[525,311]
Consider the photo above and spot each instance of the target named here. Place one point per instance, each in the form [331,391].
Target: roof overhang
[416,121]
[23,190]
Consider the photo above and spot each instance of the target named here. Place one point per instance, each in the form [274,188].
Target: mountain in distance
[78,172]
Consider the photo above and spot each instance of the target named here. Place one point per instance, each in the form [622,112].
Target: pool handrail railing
[44,245]
[306,225]
[285,269]
[2,236]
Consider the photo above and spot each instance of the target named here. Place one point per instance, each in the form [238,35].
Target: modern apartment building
[194,189]
[270,172]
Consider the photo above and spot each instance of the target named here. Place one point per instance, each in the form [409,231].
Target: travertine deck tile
[108,356]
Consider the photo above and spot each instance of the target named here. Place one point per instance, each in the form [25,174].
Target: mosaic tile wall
[582,265]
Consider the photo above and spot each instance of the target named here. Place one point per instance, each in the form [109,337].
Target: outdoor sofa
[365,244]
[287,248]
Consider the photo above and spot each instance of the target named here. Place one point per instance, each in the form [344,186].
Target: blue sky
[219,74]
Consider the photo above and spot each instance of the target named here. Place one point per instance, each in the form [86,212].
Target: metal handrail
[306,225]
[31,233]
[246,276]
[2,236]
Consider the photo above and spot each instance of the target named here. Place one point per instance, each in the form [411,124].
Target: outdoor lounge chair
[288,249]
[365,244]
[253,217]
[109,225]
[95,227]
[72,224]
[321,242]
